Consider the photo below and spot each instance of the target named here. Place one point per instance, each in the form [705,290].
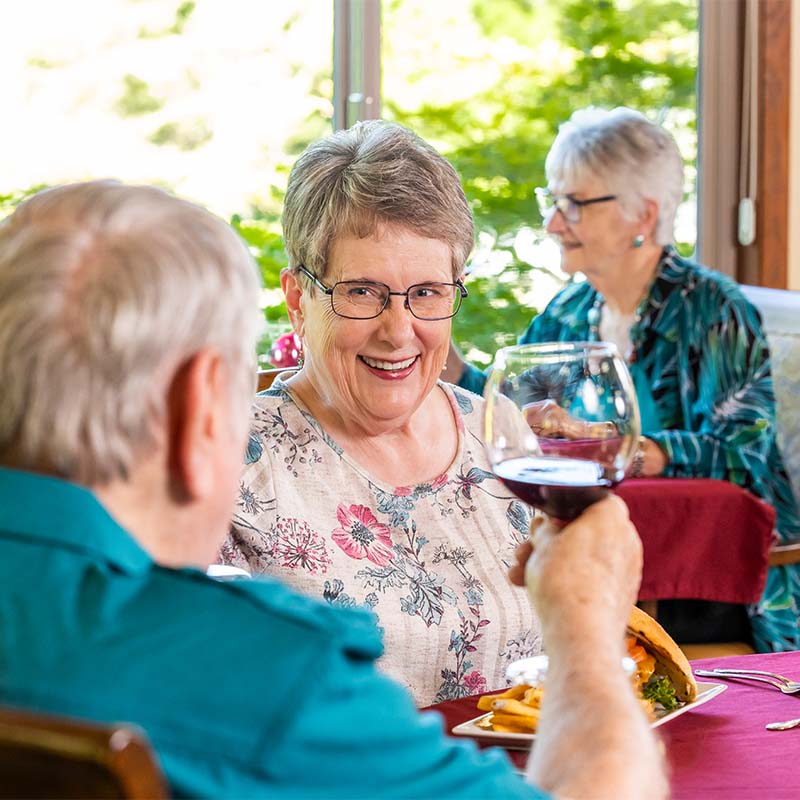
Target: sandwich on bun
[663,675]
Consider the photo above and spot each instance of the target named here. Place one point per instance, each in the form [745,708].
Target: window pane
[489,81]
[211,99]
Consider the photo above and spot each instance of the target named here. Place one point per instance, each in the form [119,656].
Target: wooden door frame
[765,262]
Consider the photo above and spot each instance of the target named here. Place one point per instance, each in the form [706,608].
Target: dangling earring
[638,241]
[298,351]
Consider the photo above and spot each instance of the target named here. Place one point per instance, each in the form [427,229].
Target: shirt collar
[576,314]
[665,297]
[66,515]
[656,312]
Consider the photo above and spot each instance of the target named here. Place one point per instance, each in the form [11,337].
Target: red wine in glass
[561,423]
[561,487]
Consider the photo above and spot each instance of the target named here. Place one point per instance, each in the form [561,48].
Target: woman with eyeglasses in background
[367,482]
[695,345]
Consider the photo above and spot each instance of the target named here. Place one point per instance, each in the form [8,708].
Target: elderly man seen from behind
[127,331]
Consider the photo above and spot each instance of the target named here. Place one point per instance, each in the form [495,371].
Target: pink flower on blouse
[362,536]
[297,546]
[475,682]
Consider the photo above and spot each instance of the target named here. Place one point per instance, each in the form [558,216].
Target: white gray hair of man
[375,173]
[636,158]
[105,290]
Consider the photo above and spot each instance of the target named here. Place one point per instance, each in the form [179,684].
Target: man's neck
[145,508]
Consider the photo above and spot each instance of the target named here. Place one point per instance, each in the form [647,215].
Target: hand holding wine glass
[561,423]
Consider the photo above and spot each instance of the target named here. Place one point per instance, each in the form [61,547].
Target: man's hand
[593,739]
[516,572]
[588,570]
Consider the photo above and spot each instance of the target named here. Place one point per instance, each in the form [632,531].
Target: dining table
[719,749]
[702,539]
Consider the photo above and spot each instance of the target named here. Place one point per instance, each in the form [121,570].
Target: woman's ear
[293,292]
[649,218]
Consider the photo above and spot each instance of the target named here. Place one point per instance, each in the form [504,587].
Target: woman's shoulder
[699,278]
[707,291]
[279,426]
[571,299]
[465,402]
[471,408]
[274,396]
[565,317]
[277,403]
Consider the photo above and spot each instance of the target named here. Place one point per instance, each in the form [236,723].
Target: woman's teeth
[392,366]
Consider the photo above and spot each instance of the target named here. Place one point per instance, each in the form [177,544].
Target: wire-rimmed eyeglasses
[368,299]
[569,206]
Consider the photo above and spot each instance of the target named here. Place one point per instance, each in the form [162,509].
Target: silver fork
[785,685]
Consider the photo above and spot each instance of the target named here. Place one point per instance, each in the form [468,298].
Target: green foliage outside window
[640,53]
[548,57]
[136,98]
[261,231]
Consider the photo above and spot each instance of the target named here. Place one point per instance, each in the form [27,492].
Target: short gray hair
[105,290]
[638,160]
[375,173]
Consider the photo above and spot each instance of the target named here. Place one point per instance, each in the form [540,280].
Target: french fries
[662,673]
[515,710]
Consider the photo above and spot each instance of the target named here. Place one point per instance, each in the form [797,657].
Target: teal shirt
[702,365]
[245,689]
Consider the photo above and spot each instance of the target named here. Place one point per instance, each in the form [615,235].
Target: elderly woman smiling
[367,482]
[695,345]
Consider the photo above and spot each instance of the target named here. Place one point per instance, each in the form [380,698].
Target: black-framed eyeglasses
[368,299]
[569,206]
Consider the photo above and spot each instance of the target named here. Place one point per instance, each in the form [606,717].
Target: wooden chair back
[780,312]
[55,757]
[781,554]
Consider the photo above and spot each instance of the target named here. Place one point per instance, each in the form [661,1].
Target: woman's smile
[390,370]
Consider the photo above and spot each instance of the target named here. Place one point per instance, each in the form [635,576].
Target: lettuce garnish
[660,691]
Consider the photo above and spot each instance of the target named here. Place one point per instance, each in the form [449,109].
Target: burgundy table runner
[720,750]
[703,539]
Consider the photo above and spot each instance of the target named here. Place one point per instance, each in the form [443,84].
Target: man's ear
[293,292]
[197,404]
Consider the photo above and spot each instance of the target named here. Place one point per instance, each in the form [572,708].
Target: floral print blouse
[429,560]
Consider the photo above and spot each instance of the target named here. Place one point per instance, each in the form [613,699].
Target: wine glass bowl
[561,423]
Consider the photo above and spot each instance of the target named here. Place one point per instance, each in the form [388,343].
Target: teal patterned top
[700,348]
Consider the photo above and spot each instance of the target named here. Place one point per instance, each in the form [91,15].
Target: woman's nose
[554,222]
[397,322]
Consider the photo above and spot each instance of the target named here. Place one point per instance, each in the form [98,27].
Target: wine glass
[561,423]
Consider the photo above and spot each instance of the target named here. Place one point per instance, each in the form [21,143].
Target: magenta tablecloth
[703,539]
[721,749]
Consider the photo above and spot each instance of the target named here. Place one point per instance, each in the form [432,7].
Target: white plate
[522,741]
